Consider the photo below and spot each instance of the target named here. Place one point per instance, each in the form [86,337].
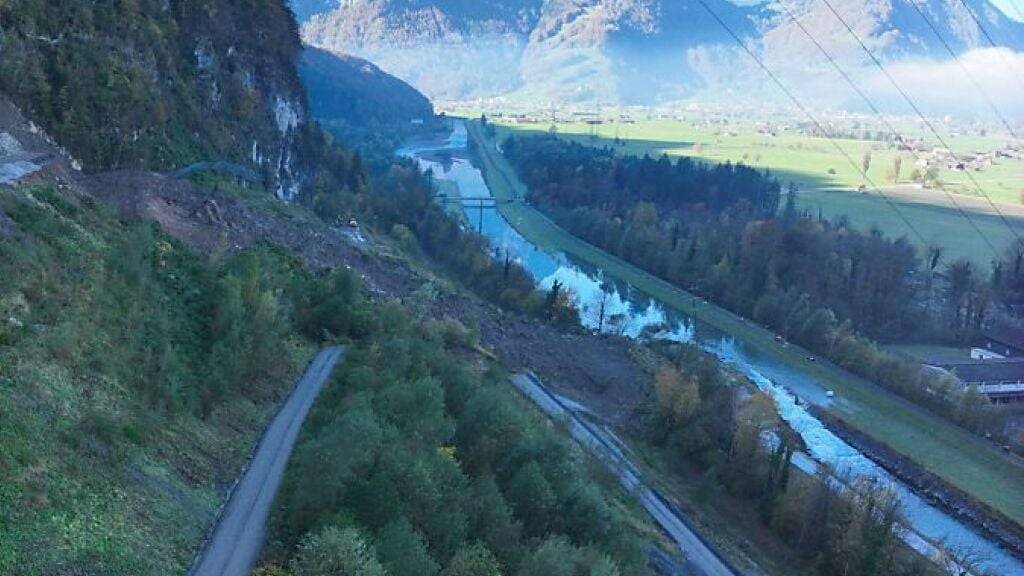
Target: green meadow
[828,176]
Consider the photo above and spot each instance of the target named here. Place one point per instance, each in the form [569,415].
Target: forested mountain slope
[355,91]
[155,84]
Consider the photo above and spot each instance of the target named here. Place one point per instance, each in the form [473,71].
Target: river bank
[945,450]
[981,469]
[989,522]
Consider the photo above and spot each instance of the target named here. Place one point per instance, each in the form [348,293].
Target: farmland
[831,183]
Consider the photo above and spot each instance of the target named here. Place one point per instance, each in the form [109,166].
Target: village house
[999,380]
[999,343]
[996,365]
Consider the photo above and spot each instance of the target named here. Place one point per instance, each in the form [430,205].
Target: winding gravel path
[701,557]
[237,539]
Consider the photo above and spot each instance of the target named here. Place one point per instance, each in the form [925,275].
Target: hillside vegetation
[134,378]
[428,463]
[360,104]
[355,91]
[147,83]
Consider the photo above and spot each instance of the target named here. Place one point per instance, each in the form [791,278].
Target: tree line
[699,420]
[395,197]
[816,282]
[568,173]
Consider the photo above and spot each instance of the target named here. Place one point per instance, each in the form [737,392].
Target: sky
[1007,6]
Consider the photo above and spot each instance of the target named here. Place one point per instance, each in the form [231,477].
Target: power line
[984,32]
[967,73]
[923,118]
[811,117]
[878,112]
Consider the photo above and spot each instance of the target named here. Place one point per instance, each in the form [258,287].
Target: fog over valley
[645,52]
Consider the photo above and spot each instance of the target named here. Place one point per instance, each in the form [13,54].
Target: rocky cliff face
[156,84]
[624,51]
[893,29]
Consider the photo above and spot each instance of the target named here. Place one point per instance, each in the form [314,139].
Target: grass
[96,477]
[959,457]
[830,183]
[935,219]
[931,353]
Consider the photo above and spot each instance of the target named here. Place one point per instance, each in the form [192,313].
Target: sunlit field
[831,183]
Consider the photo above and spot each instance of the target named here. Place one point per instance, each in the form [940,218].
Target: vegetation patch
[134,377]
[416,462]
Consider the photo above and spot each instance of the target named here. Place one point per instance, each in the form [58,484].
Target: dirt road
[699,555]
[235,543]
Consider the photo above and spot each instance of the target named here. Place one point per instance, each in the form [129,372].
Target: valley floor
[967,462]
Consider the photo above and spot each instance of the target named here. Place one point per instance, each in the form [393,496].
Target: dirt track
[237,538]
[700,556]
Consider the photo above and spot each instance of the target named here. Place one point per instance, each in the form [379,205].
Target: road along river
[640,313]
[700,555]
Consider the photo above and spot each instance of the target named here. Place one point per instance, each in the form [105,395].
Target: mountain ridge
[628,51]
[355,91]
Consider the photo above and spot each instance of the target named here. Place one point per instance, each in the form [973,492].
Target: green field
[936,220]
[829,183]
[957,456]
[931,354]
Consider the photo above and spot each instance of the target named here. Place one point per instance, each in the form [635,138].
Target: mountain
[571,50]
[447,50]
[613,51]
[893,29]
[626,51]
[153,84]
[352,90]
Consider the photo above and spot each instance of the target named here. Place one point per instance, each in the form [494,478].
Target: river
[641,312]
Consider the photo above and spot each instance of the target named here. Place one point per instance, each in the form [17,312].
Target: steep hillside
[136,370]
[638,52]
[157,84]
[893,29]
[356,92]
[625,51]
[445,49]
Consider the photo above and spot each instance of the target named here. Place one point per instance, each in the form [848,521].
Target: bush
[333,552]
[403,552]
